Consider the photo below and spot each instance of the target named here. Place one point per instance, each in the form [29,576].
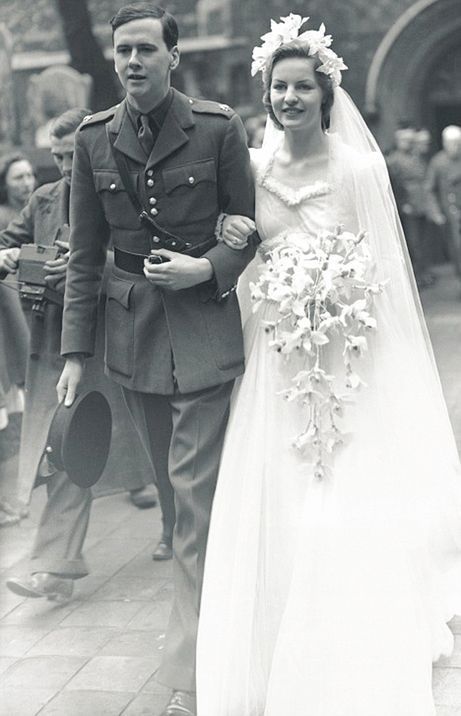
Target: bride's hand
[236,230]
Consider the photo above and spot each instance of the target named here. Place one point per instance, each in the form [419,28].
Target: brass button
[154,212]
[150,182]
[191,180]
[191,101]
[150,172]
[173,243]
[156,239]
[113,186]
[152,200]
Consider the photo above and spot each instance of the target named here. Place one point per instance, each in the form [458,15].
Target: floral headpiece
[287,30]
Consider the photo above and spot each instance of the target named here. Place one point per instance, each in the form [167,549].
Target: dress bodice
[308,208]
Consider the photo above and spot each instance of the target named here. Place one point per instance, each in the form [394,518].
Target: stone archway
[416,70]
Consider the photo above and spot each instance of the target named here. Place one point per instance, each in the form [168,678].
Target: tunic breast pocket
[118,209]
[120,326]
[191,190]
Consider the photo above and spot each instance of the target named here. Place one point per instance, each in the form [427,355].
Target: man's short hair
[140,11]
[68,122]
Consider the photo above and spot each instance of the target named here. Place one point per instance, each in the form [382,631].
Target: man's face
[143,62]
[404,139]
[62,150]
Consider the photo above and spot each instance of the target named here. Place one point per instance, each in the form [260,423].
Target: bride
[329,596]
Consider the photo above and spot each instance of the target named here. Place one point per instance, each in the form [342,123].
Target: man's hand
[180,271]
[9,259]
[55,271]
[70,379]
[236,230]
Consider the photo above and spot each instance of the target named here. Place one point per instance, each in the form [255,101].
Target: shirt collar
[156,115]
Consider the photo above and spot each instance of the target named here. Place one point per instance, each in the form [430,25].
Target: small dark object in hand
[154,259]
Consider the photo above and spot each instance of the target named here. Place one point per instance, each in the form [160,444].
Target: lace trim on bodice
[290,196]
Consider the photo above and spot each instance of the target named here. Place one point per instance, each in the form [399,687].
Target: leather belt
[134,263]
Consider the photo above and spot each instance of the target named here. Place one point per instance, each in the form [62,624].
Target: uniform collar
[156,115]
[179,117]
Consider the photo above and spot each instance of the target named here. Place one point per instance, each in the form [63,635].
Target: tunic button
[154,212]
[150,172]
[150,182]
[191,180]
[152,200]
[156,239]
[173,243]
[113,187]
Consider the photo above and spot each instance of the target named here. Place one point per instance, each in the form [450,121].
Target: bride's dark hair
[297,48]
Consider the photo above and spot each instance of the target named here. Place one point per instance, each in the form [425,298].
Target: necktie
[145,136]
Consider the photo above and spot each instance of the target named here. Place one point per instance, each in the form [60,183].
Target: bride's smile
[295,94]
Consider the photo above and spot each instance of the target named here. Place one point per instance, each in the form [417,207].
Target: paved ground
[97,655]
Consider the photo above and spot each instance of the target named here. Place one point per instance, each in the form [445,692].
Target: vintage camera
[31,275]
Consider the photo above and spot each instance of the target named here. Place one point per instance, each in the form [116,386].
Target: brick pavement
[97,655]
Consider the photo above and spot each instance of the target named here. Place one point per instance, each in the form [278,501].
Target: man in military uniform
[153,175]
[444,191]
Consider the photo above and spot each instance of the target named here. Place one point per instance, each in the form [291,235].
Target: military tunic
[198,168]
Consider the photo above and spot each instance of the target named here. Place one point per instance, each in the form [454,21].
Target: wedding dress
[331,597]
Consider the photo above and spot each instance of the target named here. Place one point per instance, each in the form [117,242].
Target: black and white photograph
[230,377]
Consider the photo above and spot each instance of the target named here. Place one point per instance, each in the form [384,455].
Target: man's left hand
[179,272]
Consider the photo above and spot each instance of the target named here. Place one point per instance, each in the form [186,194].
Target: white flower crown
[287,30]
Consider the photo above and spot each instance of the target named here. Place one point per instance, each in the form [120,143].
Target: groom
[151,176]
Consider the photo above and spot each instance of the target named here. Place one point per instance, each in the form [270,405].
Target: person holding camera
[38,238]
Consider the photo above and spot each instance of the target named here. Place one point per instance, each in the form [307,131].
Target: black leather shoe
[182,703]
[42,584]
[163,551]
[144,497]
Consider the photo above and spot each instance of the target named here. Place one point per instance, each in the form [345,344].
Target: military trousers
[189,428]
[62,529]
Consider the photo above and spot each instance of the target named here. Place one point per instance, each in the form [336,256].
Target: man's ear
[175,57]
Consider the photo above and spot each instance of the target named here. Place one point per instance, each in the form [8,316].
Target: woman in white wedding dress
[330,597]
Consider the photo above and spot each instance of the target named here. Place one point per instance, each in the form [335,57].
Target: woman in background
[17,182]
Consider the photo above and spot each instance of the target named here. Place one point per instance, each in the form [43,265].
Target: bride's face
[295,95]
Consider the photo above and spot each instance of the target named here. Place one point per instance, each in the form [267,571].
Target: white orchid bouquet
[320,287]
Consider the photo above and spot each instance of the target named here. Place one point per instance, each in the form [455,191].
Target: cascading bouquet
[320,288]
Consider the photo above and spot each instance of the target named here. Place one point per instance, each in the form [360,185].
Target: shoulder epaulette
[98,117]
[206,106]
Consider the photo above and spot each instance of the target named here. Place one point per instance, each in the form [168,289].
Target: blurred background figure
[430,246]
[254,127]
[17,182]
[443,187]
[407,171]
